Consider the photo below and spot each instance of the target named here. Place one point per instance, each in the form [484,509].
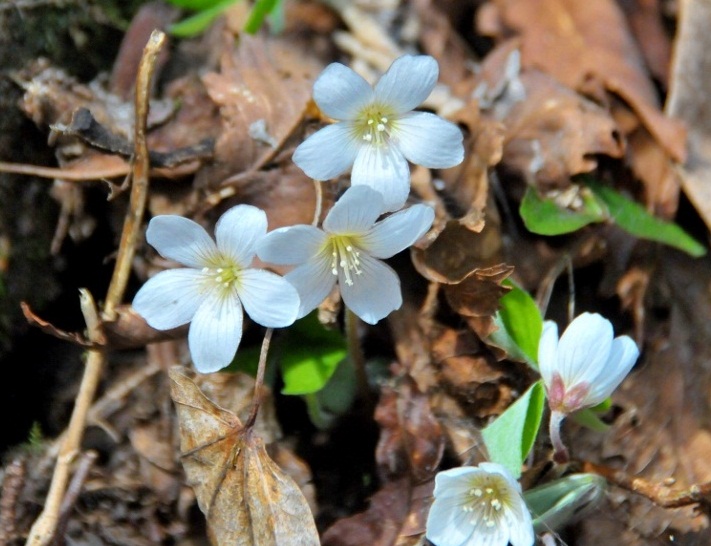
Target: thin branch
[11,488]
[44,528]
[660,494]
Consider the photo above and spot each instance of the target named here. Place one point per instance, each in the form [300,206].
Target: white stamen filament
[485,504]
[346,257]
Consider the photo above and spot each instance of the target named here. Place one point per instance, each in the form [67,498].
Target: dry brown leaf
[576,40]
[411,440]
[262,90]
[396,516]
[690,100]
[246,498]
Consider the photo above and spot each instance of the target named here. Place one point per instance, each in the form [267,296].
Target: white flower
[347,250]
[586,365]
[478,506]
[377,133]
[217,283]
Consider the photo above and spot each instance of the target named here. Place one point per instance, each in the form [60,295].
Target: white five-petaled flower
[348,250]
[377,132]
[217,282]
[583,368]
[478,506]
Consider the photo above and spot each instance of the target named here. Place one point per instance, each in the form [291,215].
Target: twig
[660,494]
[44,528]
[11,488]
[70,498]
[259,380]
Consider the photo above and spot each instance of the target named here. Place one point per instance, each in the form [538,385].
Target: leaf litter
[544,92]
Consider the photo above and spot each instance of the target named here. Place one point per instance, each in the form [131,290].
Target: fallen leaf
[246,498]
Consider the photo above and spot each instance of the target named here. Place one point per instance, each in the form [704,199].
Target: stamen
[346,257]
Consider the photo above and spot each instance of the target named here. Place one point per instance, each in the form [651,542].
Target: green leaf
[634,218]
[510,438]
[545,217]
[309,356]
[519,325]
[259,12]
[335,399]
[196,5]
[557,503]
[196,24]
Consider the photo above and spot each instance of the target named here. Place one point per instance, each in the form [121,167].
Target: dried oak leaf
[246,498]
[262,90]
[577,41]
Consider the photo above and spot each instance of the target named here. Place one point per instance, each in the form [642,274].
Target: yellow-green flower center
[226,277]
[346,256]
[486,500]
[374,124]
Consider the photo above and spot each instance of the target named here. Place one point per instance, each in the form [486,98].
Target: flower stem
[560,454]
[355,351]
[259,380]
[319,202]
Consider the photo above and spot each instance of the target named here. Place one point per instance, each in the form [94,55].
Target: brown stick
[660,494]
[44,528]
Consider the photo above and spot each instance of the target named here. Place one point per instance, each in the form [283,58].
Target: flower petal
[407,83]
[355,212]
[170,298]
[584,348]
[384,169]
[215,332]
[375,293]
[340,92]
[428,140]
[291,245]
[238,231]
[313,281]
[181,240]
[329,152]
[267,298]
[548,352]
[398,231]
[622,357]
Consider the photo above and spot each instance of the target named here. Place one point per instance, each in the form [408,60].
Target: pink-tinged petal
[355,212]
[407,83]
[340,93]
[181,240]
[238,231]
[170,298]
[548,352]
[384,169]
[584,348]
[375,293]
[329,152]
[291,245]
[428,140]
[267,298]
[313,281]
[398,231]
[623,355]
[215,332]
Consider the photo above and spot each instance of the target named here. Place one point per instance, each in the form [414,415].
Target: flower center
[225,277]
[375,124]
[486,501]
[346,256]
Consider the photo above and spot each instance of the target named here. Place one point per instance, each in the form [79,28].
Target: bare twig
[44,528]
[659,493]
[11,487]
[70,498]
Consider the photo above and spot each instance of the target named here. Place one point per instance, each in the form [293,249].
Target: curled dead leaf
[246,498]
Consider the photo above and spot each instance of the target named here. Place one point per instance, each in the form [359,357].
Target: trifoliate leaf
[510,438]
